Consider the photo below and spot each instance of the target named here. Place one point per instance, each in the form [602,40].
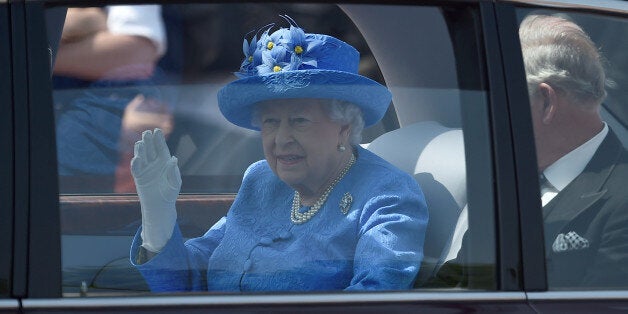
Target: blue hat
[292,64]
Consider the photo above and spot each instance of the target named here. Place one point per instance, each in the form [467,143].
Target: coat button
[266,241]
[284,235]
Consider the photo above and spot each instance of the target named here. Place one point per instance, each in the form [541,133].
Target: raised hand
[158,182]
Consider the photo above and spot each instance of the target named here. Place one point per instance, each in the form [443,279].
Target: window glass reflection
[221,145]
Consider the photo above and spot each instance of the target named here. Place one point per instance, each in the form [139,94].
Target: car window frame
[524,153]
[504,194]
[44,184]
[37,257]
[20,151]
[6,158]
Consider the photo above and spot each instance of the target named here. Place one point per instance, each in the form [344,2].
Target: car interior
[423,132]
[423,122]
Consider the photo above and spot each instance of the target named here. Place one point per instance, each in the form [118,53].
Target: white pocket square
[569,242]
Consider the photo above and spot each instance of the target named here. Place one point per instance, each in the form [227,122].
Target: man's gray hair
[558,52]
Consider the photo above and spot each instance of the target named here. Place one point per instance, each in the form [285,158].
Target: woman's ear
[550,102]
[345,131]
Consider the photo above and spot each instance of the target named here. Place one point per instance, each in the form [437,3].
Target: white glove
[158,182]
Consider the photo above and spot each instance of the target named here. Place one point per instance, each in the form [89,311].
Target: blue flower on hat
[306,49]
[247,67]
[282,50]
[269,41]
[275,60]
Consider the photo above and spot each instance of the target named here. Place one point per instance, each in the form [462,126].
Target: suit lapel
[584,191]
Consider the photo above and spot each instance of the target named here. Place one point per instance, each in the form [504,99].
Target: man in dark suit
[582,164]
[583,167]
[586,224]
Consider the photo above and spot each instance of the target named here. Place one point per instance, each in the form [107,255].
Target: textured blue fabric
[237,99]
[325,67]
[378,244]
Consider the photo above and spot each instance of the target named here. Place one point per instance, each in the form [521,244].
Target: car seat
[434,155]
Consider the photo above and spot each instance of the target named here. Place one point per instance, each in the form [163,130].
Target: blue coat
[378,244]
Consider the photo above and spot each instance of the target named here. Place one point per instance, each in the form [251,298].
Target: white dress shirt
[564,170]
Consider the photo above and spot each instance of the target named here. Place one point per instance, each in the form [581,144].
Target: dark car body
[65,242]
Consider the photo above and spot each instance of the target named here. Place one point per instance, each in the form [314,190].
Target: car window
[577,77]
[170,77]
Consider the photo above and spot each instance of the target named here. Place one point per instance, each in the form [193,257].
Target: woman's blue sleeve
[180,266]
[391,235]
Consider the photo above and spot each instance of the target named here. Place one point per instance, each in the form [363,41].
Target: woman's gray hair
[340,111]
[558,52]
[345,113]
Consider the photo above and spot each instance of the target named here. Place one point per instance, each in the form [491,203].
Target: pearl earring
[341,148]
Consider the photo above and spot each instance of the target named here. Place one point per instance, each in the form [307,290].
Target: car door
[605,25]
[450,116]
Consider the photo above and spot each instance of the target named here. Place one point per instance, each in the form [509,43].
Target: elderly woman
[319,213]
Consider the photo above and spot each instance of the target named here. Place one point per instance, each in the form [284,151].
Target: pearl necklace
[298,217]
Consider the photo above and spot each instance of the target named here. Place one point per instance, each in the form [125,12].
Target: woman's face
[301,143]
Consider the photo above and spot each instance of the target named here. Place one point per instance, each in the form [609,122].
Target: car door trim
[587,5]
[8,304]
[6,155]
[21,153]
[279,299]
[578,295]
[523,145]
[41,186]
[507,222]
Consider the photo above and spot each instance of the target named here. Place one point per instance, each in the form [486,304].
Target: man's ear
[550,102]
